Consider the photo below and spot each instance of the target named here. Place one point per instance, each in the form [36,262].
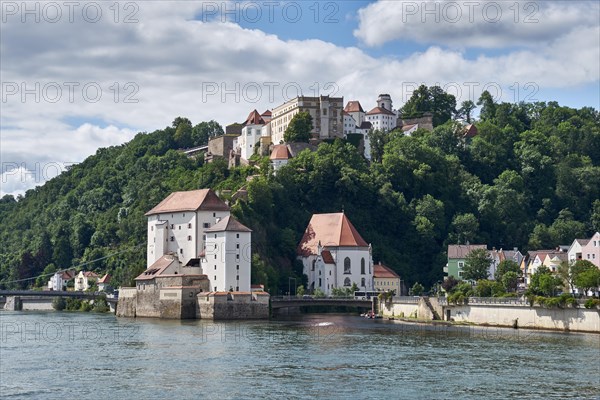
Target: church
[334,255]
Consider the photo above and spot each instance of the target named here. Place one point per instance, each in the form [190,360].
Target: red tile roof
[330,230]
[90,274]
[254,118]
[228,224]
[267,113]
[381,271]
[407,127]
[280,152]
[353,106]
[327,257]
[105,279]
[380,110]
[193,200]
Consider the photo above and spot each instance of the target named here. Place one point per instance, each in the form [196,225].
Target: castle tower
[384,101]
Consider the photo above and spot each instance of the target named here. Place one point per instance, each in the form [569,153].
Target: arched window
[362,266]
[313,264]
[347,282]
[347,267]
[362,282]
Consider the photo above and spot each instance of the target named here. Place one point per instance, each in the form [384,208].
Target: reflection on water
[324,356]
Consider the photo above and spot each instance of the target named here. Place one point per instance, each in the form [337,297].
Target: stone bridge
[292,301]
[13,299]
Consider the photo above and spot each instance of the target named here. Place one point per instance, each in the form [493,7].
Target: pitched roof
[280,152]
[104,279]
[90,274]
[296,147]
[381,271]
[582,242]
[327,257]
[67,275]
[380,110]
[254,118]
[353,106]
[228,224]
[408,127]
[366,125]
[333,229]
[470,131]
[193,200]
[267,113]
[157,268]
[461,250]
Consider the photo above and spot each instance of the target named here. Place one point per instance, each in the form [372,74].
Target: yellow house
[385,279]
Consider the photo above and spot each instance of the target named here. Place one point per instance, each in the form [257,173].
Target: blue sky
[193,59]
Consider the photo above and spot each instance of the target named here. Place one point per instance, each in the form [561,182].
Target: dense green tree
[377,140]
[543,282]
[477,265]
[465,110]
[504,267]
[430,100]
[299,129]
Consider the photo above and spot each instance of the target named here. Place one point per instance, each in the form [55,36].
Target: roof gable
[333,229]
[193,200]
[353,106]
[228,224]
[381,271]
[462,250]
[254,118]
[380,110]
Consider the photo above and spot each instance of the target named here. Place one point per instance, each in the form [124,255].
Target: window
[189,226]
[172,238]
[172,226]
[215,256]
[362,282]
[329,273]
[237,256]
[180,251]
[362,266]
[215,286]
[461,264]
[215,268]
[215,238]
[206,225]
[151,229]
[313,265]
[319,281]
[237,277]
[237,267]
[189,238]
[214,215]
[347,282]
[347,266]
[319,273]
[237,288]
[215,277]
[237,235]
[179,227]
[237,246]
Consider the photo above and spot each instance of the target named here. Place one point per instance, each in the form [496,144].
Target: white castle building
[195,230]
[334,255]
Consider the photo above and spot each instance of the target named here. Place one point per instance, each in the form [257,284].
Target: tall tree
[432,100]
[465,110]
[299,128]
[477,265]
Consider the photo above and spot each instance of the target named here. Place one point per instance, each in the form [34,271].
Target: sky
[81,75]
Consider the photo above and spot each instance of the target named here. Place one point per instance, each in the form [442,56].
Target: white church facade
[334,255]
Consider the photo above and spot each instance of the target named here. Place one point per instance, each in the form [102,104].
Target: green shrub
[59,303]
[73,304]
[86,306]
[591,303]
[101,305]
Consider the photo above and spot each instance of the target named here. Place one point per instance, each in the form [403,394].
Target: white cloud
[177,66]
[483,24]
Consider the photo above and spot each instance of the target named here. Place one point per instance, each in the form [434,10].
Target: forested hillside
[529,179]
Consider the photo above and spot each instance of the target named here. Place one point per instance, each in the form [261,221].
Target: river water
[59,355]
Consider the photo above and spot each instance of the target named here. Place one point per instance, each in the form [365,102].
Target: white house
[383,116]
[84,280]
[253,129]
[334,255]
[226,260]
[104,283]
[59,280]
[575,250]
[591,250]
[177,224]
